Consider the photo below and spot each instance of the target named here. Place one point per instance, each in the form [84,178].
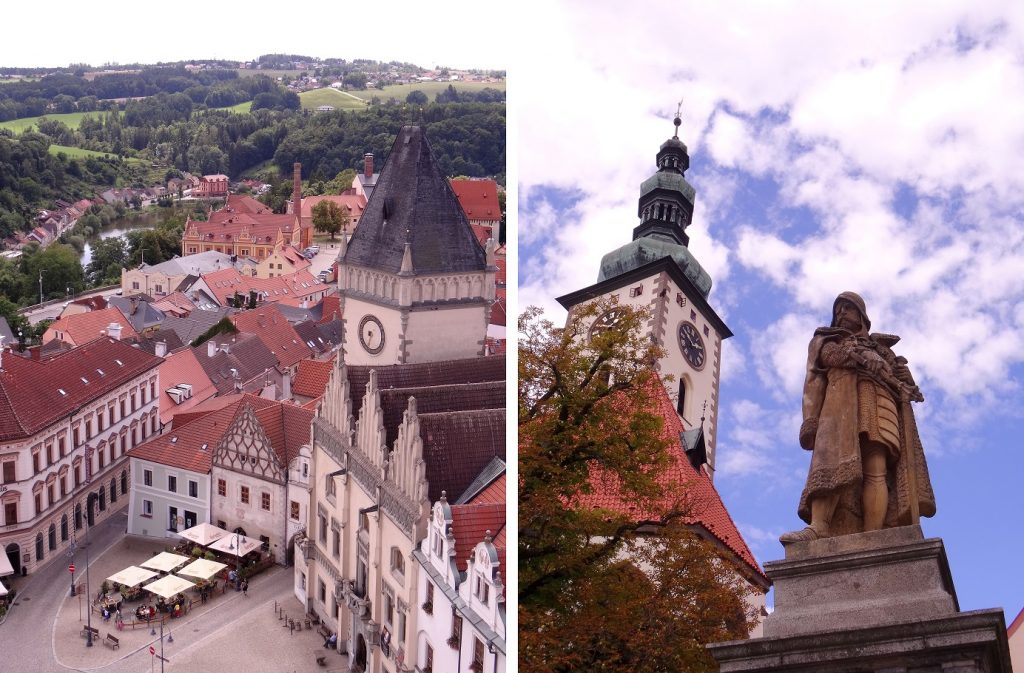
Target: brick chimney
[297,190]
[114,330]
[368,165]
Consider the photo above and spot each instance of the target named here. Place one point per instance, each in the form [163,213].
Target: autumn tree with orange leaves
[600,590]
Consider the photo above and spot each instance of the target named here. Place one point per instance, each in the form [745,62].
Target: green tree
[416,97]
[356,80]
[330,218]
[109,256]
[59,268]
[587,419]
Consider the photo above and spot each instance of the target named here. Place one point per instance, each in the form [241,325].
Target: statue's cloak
[831,402]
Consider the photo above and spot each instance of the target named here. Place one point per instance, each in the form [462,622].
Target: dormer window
[482,589]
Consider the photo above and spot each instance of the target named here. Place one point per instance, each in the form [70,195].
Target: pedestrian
[245,588]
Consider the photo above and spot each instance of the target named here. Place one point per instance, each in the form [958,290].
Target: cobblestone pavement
[230,633]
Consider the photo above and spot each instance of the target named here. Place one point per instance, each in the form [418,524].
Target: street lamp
[88,594]
[238,560]
[41,285]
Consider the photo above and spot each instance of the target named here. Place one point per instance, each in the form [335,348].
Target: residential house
[196,323]
[300,288]
[211,187]
[239,362]
[66,423]
[461,614]
[250,471]
[311,378]
[387,440]
[351,203]
[365,181]
[244,227]
[161,280]
[78,329]
[143,316]
[282,261]
[276,333]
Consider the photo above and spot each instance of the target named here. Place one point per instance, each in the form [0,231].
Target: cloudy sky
[872,146]
[126,31]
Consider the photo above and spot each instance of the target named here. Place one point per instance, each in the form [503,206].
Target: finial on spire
[678,121]
[703,413]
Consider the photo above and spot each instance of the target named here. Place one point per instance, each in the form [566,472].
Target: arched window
[64,528]
[39,547]
[680,405]
[52,537]
[103,499]
[78,516]
[113,490]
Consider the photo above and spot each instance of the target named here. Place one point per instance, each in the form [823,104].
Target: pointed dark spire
[666,198]
[413,203]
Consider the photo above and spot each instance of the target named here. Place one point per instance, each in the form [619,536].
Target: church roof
[680,483]
[413,202]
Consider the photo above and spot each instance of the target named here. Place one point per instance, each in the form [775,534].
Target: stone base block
[968,642]
[856,581]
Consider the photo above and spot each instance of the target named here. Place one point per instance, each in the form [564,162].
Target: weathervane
[678,119]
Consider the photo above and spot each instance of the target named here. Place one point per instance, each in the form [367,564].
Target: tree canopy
[598,588]
[330,218]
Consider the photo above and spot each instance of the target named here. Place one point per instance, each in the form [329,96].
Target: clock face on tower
[692,345]
[371,334]
[606,321]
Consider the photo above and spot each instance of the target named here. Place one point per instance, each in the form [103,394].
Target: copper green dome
[671,181]
[648,249]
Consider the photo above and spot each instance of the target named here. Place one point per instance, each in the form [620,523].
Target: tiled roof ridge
[462,412]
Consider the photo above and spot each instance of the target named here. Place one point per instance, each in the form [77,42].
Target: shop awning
[203,534]
[236,544]
[202,568]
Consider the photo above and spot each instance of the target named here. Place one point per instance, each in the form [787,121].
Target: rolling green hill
[70,119]
[327,96]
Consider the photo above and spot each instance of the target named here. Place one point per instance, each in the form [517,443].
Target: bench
[324,631]
[85,631]
[321,658]
[112,641]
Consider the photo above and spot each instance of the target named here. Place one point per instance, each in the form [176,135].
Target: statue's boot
[805,535]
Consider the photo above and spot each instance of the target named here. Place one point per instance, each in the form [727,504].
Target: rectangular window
[9,472]
[62,445]
[100,457]
[336,544]
[222,488]
[99,421]
[636,291]
[50,494]
[110,414]
[35,462]
[428,660]
[63,486]
[123,409]
[147,477]
[245,495]
[39,503]
[88,429]
[10,513]
[133,401]
[330,486]
[293,510]
[457,629]
[147,508]
[152,423]
[172,484]
[135,285]
[78,476]
[50,460]
[172,518]
[482,589]
[265,502]
[389,606]
[323,528]
[478,654]
[322,591]
[152,389]
[193,489]
[76,437]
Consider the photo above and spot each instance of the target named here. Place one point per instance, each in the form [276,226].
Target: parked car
[326,276]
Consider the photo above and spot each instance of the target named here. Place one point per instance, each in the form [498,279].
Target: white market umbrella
[5,566]
[203,534]
[3,589]
[236,544]
[131,576]
[165,561]
[168,586]
[202,568]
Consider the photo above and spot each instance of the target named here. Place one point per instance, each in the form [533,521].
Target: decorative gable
[247,449]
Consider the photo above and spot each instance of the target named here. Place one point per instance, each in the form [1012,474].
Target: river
[147,219]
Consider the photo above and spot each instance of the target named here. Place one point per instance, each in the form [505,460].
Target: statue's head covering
[857,301]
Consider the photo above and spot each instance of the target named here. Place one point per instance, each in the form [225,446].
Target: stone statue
[868,469]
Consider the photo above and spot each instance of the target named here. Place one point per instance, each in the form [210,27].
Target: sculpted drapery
[867,456]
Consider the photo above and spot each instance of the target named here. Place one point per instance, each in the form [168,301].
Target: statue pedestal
[879,601]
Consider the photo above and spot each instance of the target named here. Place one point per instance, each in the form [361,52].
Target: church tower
[657,271]
[415,284]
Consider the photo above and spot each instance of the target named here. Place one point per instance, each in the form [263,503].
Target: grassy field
[400,91]
[79,153]
[241,108]
[70,119]
[327,96]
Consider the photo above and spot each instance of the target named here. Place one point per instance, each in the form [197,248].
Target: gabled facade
[377,458]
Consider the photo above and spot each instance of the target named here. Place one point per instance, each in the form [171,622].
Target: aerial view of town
[252,365]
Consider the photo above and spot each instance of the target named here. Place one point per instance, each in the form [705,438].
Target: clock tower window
[680,405]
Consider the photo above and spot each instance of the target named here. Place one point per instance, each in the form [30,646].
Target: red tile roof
[478,198]
[31,396]
[470,524]
[83,327]
[353,203]
[183,367]
[215,404]
[274,330]
[298,286]
[493,494]
[184,445]
[332,308]
[287,426]
[311,377]
[679,481]
[1015,624]
[242,215]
